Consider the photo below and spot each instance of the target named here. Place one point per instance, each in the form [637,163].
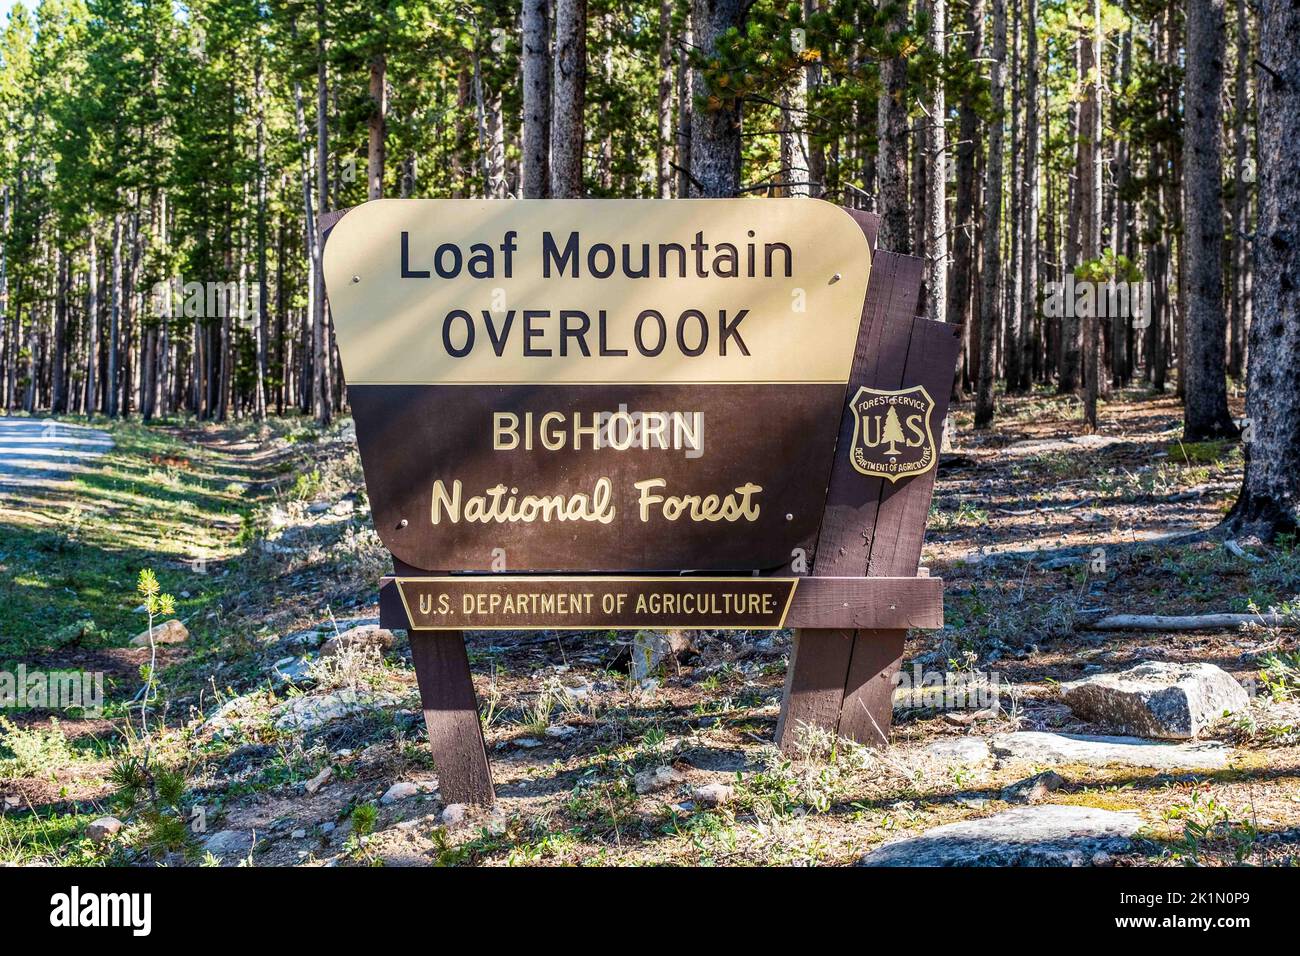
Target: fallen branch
[1044,509]
[1189,622]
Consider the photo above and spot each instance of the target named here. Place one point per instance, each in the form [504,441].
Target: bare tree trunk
[59,373]
[1090,160]
[1270,497]
[1239,310]
[1205,393]
[114,322]
[992,220]
[92,319]
[715,129]
[891,163]
[1030,315]
[377,125]
[1070,353]
[816,157]
[960,299]
[569,102]
[321,385]
[537,98]
[936,242]
[259,332]
[685,108]
[1122,325]
[1015,215]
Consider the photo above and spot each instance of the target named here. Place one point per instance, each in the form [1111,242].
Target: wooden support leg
[814,684]
[868,704]
[451,716]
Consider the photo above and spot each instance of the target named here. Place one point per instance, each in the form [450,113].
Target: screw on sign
[541,385]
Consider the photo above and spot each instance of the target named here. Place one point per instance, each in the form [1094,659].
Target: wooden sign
[617,414]
[596,385]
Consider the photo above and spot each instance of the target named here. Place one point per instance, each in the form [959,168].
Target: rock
[650,781]
[714,794]
[1157,698]
[102,829]
[650,649]
[560,731]
[964,718]
[166,632]
[1047,749]
[302,640]
[297,834]
[305,714]
[291,670]
[1033,789]
[230,714]
[1048,835]
[318,781]
[328,828]
[960,750]
[318,507]
[454,814]
[229,843]
[367,635]
[403,790]
[528,743]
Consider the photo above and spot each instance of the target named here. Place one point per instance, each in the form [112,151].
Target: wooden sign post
[595,414]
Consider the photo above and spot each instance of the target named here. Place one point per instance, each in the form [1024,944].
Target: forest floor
[262,533]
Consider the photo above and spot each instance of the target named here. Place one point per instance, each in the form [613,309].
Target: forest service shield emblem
[893,433]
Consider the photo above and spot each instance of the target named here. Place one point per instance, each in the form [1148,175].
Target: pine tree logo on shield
[893,436]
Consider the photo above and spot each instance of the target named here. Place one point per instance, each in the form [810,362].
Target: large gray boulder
[1054,750]
[1049,835]
[1157,699]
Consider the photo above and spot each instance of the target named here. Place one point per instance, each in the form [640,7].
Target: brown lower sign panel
[522,602]
[595,478]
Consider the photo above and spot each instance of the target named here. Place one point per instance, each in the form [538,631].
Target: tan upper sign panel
[596,291]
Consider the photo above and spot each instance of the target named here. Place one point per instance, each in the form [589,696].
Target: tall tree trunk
[685,108]
[259,332]
[1030,315]
[1090,160]
[377,125]
[816,163]
[664,156]
[1015,215]
[321,386]
[1205,394]
[1239,310]
[1121,324]
[936,233]
[537,98]
[715,127]
[992,220]
[963,247]
[1070,351]
[1270,497]
[92,319]
[114,322]
[569,99]
[891,163]
[59,374]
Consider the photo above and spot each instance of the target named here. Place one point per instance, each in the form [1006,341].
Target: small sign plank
[520,602]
